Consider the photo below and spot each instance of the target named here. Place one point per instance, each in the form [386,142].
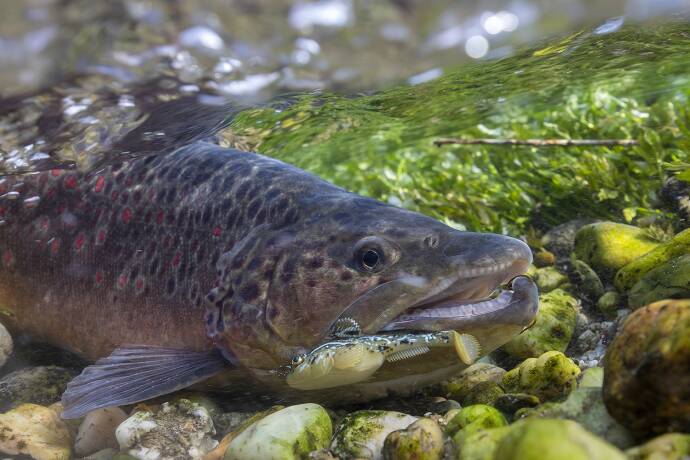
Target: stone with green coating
[609,303]
[290,433]
[422,440]
[551,376]
[608,246]
[647,370]
[480,445]
[552,330]
[362,434]
[631,273]
[549,278]
[587,282]
[474,418]
[41,385]
[459,387]
[585,406]
[553,439]
[670,280]
[483,393]
[671,446]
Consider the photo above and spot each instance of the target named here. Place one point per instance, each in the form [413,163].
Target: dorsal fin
[136,373]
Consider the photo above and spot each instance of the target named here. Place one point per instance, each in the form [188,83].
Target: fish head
[382,268]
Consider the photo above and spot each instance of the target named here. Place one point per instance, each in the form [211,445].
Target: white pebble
[97,431]
[5,345]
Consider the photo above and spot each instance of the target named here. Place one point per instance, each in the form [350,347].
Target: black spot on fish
[253,208]
[249,292]
[315,262]
[242,190]
[170,286]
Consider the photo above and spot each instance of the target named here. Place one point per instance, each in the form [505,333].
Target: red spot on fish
[54,245]
[113,196]
[100,237]
[71,181]
[79,242]
[8,258]
[99,276]
[160,217]
[217,231]
[56,172]
[126,215]
[122,281]
[139,284]
[176,259]
[100,183]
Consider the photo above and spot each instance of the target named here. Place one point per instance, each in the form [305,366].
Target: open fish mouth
[516,305]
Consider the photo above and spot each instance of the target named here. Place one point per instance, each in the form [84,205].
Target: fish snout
[482,254]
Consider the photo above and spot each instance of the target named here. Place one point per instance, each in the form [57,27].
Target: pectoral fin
[136,373]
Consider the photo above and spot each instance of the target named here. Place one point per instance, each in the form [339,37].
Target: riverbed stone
[671,446]
[670,280]
[608,246]
[290,433]
[549,278]
[647,370]
[510,403]
[552,330]
[585,406]
[585,280]
[633,272]
[97,430]
[6,345]
[459,387]
[551,376]
[422,440]
[361,434]
[609,303]
[474,418]
[41,385]
[36,431]
[480,445]
[177,430]
[553,439]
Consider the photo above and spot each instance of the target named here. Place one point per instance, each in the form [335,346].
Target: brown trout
[210,263]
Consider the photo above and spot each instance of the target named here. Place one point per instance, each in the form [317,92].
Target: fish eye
[369,255]
[370,259]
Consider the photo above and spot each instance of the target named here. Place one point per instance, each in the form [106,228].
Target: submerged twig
[539,142]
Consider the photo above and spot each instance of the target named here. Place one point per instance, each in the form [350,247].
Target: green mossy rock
[585,406]
[586,280]
[290,433]
[474,418]
[608,246]
[672,446]
[609,303]
[647,370]
[552,330]
[544,258]
[551,376]
[41,385]
[423,440]
[480,445]
[549,278]
[670,280]
[483,393]
[552,439]
[510,403]
[362,434]
[631,273]
[459,387]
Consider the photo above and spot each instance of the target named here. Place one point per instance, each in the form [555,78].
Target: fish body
[209,257]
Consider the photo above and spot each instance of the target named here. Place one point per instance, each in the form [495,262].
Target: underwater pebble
[474,418]
[362,434]
[672,446]
[5,345]
[670,280]
[553,375]
[548,279]
[177,430]
[647,370]
[97,431]
[42,385]
[560,240]
[36,431]
[290,433]
[422,440]
[458,387]
[105,454]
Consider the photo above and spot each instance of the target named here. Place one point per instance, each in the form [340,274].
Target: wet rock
[234,424]
[672,446]
[177,430]
[608,246]
[105,454]
[586,280]
[483,393]
[97,431]
[647,370]
[5,345]
[361,434]
[552,439]
[289,433]
[422,440]
[481,444]
[36,431]
[544,258]
[475,418]
[585,406]
[41,385]
[561,239]
[675,194]
[670,280]
[631,273]
[552,330]
[512,402]
[459,387]
[551,376]
[609,303]
[549,278]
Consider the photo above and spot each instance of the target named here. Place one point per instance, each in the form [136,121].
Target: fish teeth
[406,354]
[481,271]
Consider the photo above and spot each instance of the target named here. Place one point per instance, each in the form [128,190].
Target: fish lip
[516,306]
